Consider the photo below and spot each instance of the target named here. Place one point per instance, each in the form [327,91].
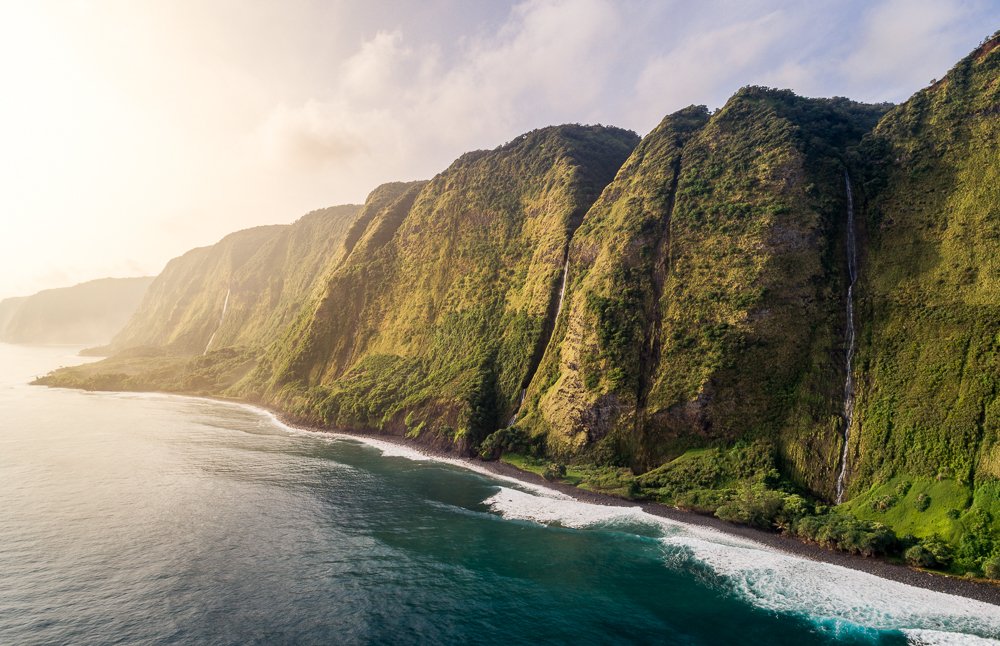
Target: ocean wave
[834,597]
[919,637]
[831,596]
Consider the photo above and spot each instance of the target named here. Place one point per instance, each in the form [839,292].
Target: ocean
[154,519]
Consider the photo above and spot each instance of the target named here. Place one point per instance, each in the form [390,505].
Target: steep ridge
[925,444]
[435,316]
[321,340]
[706,282]
[261,274]
[753,312]
[87,313]
[574,390]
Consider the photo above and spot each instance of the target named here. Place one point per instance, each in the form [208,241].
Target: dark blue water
[143,519]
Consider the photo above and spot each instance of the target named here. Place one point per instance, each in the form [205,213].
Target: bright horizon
[136,131]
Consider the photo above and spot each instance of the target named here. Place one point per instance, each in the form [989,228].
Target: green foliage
[713,468]
[697,358]
[931,552]
[836,531]
[754,505]
[991,568]
[554,471]
[919,556]
[511,439]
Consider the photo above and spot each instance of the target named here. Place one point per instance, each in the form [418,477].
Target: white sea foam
[919,637]
[393,449]
[825,593]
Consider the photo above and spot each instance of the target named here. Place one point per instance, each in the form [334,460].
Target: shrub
[930,552]
[919,556]
[991,567]
[554,471]
[512,439]
[753,505]
[847,534]
[922,502]
[885,503]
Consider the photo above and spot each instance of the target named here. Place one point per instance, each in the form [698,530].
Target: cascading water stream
[562,289]
[852,271]
[222,317]
[562,295]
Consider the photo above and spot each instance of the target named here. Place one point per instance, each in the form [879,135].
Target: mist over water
[148,519]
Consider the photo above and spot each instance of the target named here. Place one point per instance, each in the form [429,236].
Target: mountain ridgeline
[738,314]
[87,313]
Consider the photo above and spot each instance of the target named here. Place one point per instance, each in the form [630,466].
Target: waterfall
[852,272]
[562,290]
[562,295]
[520,402]
[225,306]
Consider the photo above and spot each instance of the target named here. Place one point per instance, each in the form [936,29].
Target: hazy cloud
[140,130]
[904,43]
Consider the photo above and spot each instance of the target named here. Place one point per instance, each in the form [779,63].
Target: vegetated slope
[90,312]
[704,304]
[697,356]
[928,408]
[436,321]
[258,277]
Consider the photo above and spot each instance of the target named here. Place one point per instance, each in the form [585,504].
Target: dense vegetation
[697,357]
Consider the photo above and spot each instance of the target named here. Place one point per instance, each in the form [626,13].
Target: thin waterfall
[562,290]
[852,272]
[520,402]
[225,306]
[562,295]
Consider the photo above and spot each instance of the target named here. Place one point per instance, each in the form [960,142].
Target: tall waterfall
[562,295]
[562,290]
[852,271]
[225,306]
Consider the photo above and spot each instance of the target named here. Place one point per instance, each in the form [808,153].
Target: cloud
[393,101]
[905,43]
[707,66]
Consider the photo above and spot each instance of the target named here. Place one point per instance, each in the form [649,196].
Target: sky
[134,130]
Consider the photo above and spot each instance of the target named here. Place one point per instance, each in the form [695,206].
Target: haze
[133,131]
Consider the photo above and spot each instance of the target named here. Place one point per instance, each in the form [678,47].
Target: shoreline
[977,590]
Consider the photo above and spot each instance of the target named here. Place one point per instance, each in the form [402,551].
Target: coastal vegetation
[660,320]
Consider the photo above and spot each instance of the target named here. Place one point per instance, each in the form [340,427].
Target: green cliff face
[259,276]
[436,321]
[928,367]
[87,313]
[704,305]
[664,319]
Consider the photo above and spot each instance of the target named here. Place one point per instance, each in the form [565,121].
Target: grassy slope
[702,306]
[268,271]
[437,318]
[929,359]
[701,339]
